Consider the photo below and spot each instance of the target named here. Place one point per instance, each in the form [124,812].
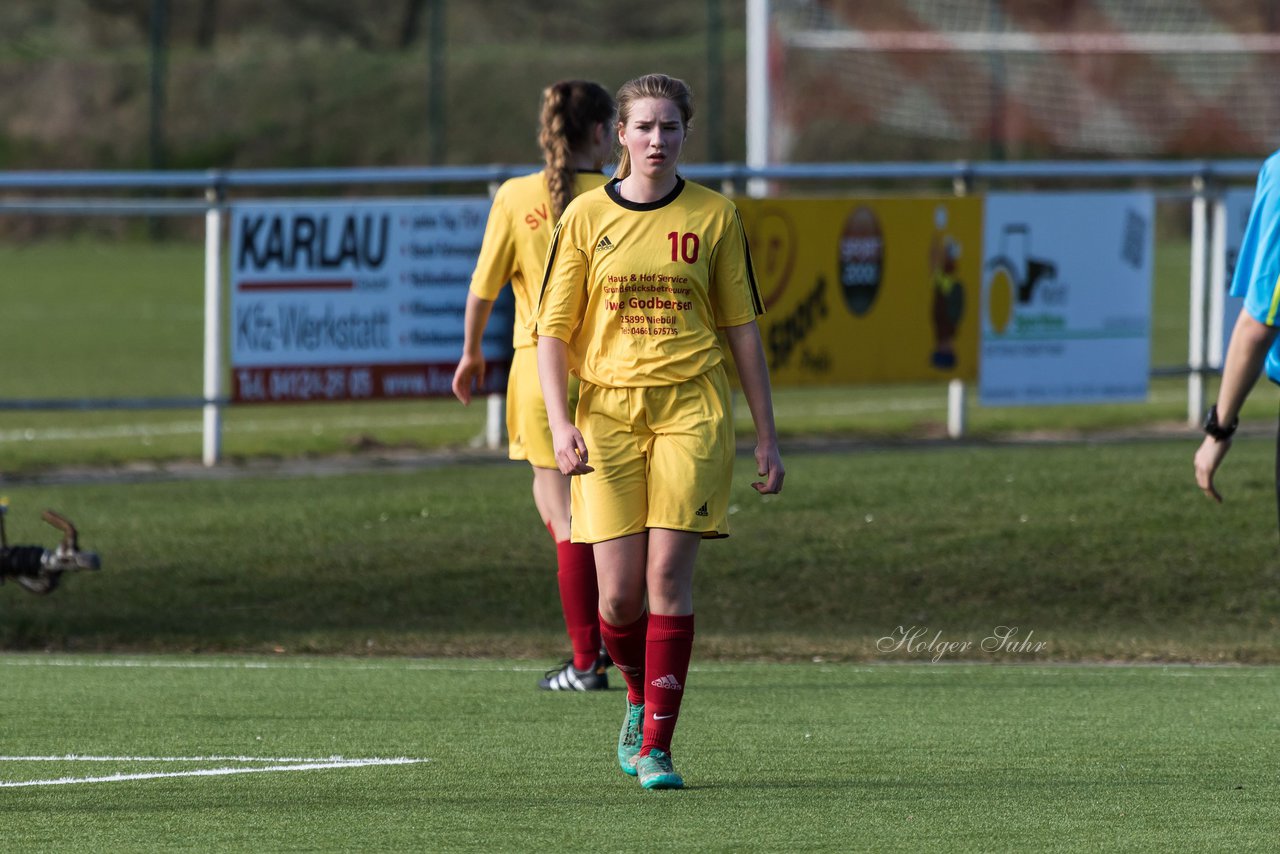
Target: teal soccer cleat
[630,739]
[655,771]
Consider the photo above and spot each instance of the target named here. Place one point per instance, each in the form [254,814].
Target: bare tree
[341,19]
[410,22]
[136,12]
[207,24]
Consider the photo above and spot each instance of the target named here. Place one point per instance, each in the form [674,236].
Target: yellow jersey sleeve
[735,296]
[563,295]
[497,261]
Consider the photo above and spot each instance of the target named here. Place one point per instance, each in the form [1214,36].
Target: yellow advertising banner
[868,290]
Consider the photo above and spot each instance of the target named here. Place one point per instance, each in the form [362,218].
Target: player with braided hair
[576,137]
[646,277]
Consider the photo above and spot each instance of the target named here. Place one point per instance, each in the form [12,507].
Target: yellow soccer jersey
[515,244]
[639,290]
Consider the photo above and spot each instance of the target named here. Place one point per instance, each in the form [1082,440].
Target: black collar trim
[612,189]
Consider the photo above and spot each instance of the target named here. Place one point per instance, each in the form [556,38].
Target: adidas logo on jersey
[702,511]
[669,682]
[605,243]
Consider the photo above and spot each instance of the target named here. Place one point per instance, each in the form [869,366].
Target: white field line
[6,661]
[79,757]
[316,765]
[18,660]
[1173,670]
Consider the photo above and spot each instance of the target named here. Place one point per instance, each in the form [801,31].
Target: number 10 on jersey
[684,247]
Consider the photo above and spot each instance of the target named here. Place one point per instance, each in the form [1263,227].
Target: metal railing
[211,191]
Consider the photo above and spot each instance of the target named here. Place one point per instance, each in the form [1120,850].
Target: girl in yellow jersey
[644,278]
[576,137]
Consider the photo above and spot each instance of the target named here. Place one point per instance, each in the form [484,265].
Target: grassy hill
[321,83]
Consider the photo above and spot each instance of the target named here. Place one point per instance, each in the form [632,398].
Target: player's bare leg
[551,497]
[669,571]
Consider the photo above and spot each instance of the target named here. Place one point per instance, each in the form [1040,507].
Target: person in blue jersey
[1253,340]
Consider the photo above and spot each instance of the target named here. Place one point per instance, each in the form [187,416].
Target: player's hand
[769,466]
[1207,460]
[469,368]
[571,450]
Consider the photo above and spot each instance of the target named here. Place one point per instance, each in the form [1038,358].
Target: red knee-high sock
[670,644]
[626,646]
[580,600]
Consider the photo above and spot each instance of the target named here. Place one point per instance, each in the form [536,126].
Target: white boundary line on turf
[78,757]
[304,765]
[7,660]
[1172,668]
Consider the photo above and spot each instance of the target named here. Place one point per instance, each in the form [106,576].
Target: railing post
[213,220]
[957,410]
[495,421]
[1217,280]
[962,180]
[1196,342]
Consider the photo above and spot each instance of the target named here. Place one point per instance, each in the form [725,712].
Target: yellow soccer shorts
[528,431]
[663,458]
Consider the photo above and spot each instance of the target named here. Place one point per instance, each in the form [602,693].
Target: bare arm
[471,365]
[753,374]
[1250,341]
[553,375]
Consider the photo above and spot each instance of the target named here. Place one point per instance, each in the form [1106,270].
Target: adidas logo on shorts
[702,511]
[604,244]
[669,681]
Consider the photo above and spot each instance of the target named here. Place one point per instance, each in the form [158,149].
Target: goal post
[758,90]
[989,79]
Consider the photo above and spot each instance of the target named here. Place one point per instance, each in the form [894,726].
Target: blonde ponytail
[623,169]
[570,111]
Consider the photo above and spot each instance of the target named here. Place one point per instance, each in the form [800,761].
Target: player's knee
[619,609]
[669,580]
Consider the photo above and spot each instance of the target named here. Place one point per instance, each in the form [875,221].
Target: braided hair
[570,111]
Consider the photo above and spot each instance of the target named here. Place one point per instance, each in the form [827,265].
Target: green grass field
[1102,550]
[336,591]
[811,756]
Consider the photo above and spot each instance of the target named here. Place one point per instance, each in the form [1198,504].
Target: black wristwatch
[1216,430]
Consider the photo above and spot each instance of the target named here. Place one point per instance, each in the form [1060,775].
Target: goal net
[989,79]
